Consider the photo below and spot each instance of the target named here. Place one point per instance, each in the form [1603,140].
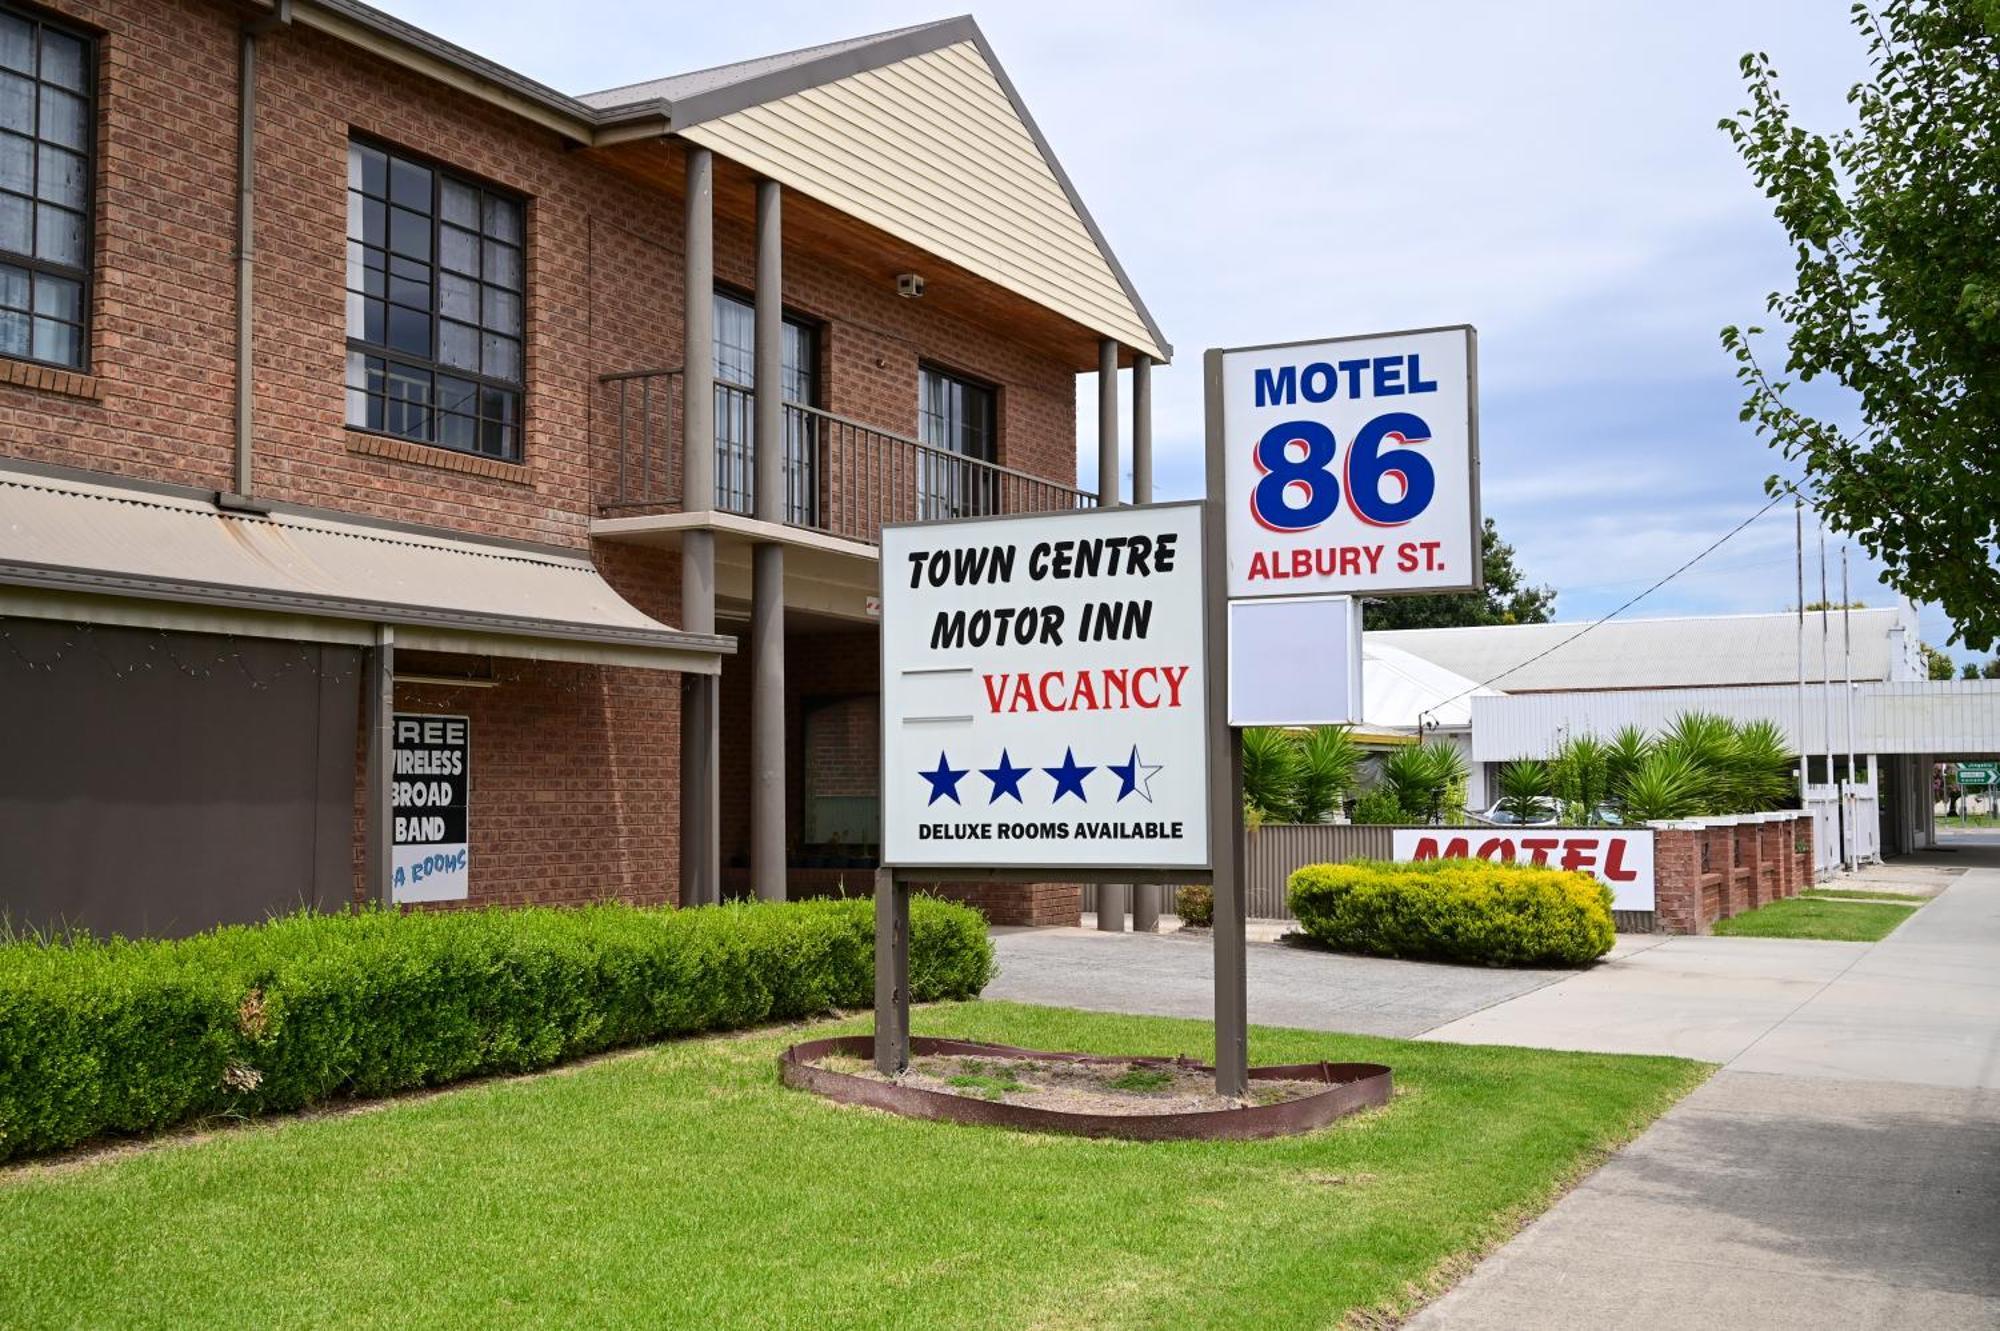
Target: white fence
[1823,803]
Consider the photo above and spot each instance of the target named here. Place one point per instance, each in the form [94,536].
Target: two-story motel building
[348,376]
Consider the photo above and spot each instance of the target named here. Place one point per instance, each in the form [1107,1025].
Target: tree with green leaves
[1936,664]
[1508,597]
[1896,295]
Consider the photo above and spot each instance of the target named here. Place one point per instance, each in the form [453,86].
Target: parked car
[1548,814]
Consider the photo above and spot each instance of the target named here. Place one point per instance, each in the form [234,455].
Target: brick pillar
[1677,881]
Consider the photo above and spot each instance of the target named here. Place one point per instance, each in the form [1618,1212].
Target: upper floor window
[736,379]
[45,174]
[955,416]
[434,319]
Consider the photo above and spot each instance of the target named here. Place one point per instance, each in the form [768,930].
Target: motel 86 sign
[1351,465]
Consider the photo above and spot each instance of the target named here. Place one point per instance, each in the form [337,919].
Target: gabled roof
[916,131]
[919,132]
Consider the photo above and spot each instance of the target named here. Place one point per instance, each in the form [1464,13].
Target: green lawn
[1876,894]
[1802,917]
[683,1186]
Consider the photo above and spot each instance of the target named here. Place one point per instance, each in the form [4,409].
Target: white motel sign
[1044,691]
[1350,465]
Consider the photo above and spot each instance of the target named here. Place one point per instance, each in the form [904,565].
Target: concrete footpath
[1842,1170]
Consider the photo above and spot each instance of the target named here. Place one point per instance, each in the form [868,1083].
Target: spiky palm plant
[1667,784]
[1707,744]
[1622,756]
[1523,787]
[1761,777]
[1327,761]
[1425,777]
[1270,774]
[1581,776]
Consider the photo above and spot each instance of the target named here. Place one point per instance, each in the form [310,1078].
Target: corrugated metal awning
[89,550]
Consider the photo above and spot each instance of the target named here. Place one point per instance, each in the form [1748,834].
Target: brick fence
[1708,869]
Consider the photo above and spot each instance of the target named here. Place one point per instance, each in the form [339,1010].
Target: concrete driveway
[1173,975]
[1842,1170]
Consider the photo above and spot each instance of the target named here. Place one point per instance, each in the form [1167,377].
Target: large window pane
[62,60]
[415,236]
[17,43]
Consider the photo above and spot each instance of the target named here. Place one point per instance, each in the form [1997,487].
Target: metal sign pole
[1225,776]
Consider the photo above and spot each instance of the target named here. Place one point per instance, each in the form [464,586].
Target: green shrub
[1378,806]
[1195,904]
[1455,910]
[134,1036]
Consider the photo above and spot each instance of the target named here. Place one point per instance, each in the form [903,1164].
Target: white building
[1540,682]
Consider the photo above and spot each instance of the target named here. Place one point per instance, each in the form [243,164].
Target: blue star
[1069,777]
[944,781]
[1134,776]
[1006,779]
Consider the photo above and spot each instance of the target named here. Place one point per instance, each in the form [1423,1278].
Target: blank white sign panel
[1294,662]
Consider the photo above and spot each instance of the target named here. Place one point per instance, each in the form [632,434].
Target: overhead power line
[1710,549]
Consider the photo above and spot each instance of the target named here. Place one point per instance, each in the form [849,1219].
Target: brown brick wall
[575,783]
[1710,873]
[575,767]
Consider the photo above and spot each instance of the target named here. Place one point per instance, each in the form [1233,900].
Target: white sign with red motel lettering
[1351,465]
[1045,691]
[1621,860]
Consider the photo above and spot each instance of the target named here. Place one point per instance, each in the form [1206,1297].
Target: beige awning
[106,553]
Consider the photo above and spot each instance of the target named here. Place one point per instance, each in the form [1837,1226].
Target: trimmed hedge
[135,1036]
[1455,910]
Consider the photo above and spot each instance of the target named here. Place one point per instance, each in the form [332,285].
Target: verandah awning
[106,553]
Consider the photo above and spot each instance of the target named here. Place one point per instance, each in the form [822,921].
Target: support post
[379,686]
[767,570]
[1225,780]
[1147,898]
[701,720]
[892,973]
[1113,899]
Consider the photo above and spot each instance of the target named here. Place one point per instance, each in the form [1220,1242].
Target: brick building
[344,384]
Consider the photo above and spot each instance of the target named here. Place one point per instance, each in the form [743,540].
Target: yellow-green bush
[1455,910]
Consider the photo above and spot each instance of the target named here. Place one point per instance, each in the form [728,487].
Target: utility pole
[1847,656]
[1799,550]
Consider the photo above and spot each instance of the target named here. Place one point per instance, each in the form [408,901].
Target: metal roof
[1403,691]
[1955,718]
[679,87]
[1687,652]
[71,536]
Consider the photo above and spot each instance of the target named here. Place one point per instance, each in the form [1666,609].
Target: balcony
[843,478]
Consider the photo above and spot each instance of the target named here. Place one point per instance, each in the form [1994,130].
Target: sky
[1551,173]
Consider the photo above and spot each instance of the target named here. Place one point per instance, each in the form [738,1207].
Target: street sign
[1351,465]
[1971,775]
[1045,692]
[1295,661]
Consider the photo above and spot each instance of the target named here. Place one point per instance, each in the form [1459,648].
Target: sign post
[1229,932]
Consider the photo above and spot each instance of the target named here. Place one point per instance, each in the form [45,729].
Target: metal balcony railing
[842,477]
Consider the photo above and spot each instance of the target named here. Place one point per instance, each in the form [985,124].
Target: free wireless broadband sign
[1044,691]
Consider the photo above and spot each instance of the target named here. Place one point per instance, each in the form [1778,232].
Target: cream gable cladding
[931,150]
